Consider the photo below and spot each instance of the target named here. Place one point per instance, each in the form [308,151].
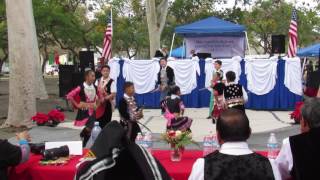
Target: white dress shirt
[229,148]
[104,82]
[284,161]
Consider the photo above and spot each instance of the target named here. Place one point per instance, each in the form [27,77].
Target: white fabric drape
[261,75]
[143,73]
[185,72]
[293,75]
[232,64]
[114,68]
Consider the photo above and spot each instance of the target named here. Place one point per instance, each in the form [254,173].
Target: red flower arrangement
[56,115]
[53,118]
[40,118]
[296,114]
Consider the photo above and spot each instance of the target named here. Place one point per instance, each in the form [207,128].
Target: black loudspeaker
[204,55]
[65,79]
[86,60]
[278,44]
[77,79]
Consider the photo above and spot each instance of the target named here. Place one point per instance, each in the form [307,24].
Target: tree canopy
[63,25]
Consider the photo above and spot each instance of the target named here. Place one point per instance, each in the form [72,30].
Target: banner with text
[221,47]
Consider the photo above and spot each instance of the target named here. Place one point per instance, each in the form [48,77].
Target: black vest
[253,166]
[233,91]
[108,86]
[305,150]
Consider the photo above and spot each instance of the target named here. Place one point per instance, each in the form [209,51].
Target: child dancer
[173,109]
[84,98]
[130,114]
[219,104]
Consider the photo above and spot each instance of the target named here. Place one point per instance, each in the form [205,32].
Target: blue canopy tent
[210,26]
[310,51]
[179,52]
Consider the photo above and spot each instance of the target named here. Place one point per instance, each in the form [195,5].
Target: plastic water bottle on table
[94,134]
[139,139]
[207,145]
[273,146]
[148,142]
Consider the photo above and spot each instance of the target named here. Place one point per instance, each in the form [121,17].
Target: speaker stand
[68,108]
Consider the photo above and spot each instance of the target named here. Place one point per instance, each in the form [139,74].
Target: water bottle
[148,141]
[272,145]
[214,142]
[94,134]
[207,146]
[139,139]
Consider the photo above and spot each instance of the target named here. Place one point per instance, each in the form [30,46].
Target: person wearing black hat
[162,53]
[129,111]
[114,156]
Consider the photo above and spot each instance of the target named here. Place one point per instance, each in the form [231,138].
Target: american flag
[293,35]
[107,41]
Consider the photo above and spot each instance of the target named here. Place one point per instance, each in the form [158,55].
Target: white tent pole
[304,64]
[174,35]
[248,45]
[182,49]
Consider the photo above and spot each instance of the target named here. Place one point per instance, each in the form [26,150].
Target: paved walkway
[261,122]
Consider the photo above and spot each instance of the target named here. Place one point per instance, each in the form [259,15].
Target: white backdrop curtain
[114,68]
[185,72]
[261,74]
[143,73]
[293,75]
[232,64]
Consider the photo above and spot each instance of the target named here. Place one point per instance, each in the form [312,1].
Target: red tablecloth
[32,170]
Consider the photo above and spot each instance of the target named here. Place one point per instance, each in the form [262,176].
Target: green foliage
[267,18]
[63,25]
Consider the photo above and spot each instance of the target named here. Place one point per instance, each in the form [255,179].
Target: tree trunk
[1,64]
[24,82]
[156,19]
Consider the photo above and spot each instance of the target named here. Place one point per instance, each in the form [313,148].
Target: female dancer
[173,109]
[84,98]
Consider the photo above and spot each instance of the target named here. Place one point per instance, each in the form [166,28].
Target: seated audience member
[234,160]
[11,155]
[114,156]
[234,93]
[173,109]
[300,154]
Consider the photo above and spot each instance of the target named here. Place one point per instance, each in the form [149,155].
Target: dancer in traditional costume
[106,92]
[173,109]
[217,67]
[234,94]
[130,113]
[84,98]
[219,103]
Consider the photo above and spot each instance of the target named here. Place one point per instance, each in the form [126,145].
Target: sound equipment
[86,60]
[203,55]
[65,79]
[278,44]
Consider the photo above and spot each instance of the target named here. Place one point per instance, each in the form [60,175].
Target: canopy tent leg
[248,45]
[303,65]
[183,48]
[174,35]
